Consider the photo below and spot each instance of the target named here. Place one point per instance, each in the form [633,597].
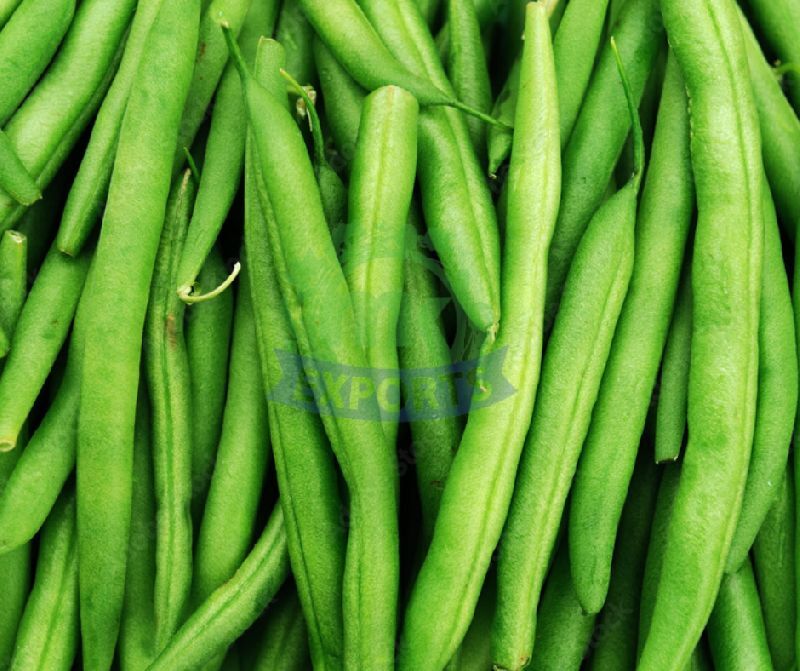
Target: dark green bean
[283,643]
[296,35]
[117,305]
[775,569]
[429,9]
[40,222]
[48,632]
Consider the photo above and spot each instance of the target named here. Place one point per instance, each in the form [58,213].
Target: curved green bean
[776,403]
[48,632]
[296,35]
[15,180]
[115,315]
[41,331]
[775,570]
[284,643]
[233,607]
[479,486]
[619,414]
[726,279]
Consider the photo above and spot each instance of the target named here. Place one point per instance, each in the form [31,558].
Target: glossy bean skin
[90,187]
[618,416]
[27,44]
[571,375]
[166,365]
[124,260]
[232,607]
[674,389]
[41,331]
[599,134]
[736,630]
[229,518]
[775,568]
[726,278]
[304,463]
[776,403]
[381,186]
[208,337]
[296,35]
[48,632]
[50,121]
[479,486]
[15,180]
[283,643]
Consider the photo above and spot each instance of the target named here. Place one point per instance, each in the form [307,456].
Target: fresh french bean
[284,643]
[15,180]
[296,35]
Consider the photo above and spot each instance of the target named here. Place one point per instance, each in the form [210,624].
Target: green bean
[599,135]
[137,628]
[7,8]
[296,35]
[614,641]
[224,154]
[571,375]
[779,21]
[726,279]
[42,330]
[429,9]
[15,567]
[40,222]
[15,180]
[467,65]
[565,630]
[371,577]
[479,486]
[307,476]
[89,189]
[774,564]
[212,57]
[615,8]
[228,526]
[423,346]
[283,643]
[52,118]
[233,607]
[475,653]
[381,186]
[4,344]
[208,336]
[780,132]
[116,311]
[673,392]
[461,220]
[499,139]
[736,630]
[777,393]
[167,374]
[619,414]
[48,632]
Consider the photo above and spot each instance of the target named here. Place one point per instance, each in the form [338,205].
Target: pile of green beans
[429,335]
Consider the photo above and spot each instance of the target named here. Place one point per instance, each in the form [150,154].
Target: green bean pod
[774,565]
[7,8]
[779,22]
[224,154]
[15,180]
[41,331]
[571,375]
[381,186]
[467,65]
[117,297]
[229,519]
[565,630]
[780,132]
[499,139]
[776,403]
[48,632]
[599,134]
[52,118]
[429,9]
[304,464]
[27,45]
[617,631]
[90,187]
[726,279]
[208,336]
[423,346]
[619,414]
[13,278]
[674,389]
[461,220]
[475,652]
[232,607]
[167,374]
[283,640]
[296,35]
[478,489]
[736,631]
[137,628]
[40,222]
